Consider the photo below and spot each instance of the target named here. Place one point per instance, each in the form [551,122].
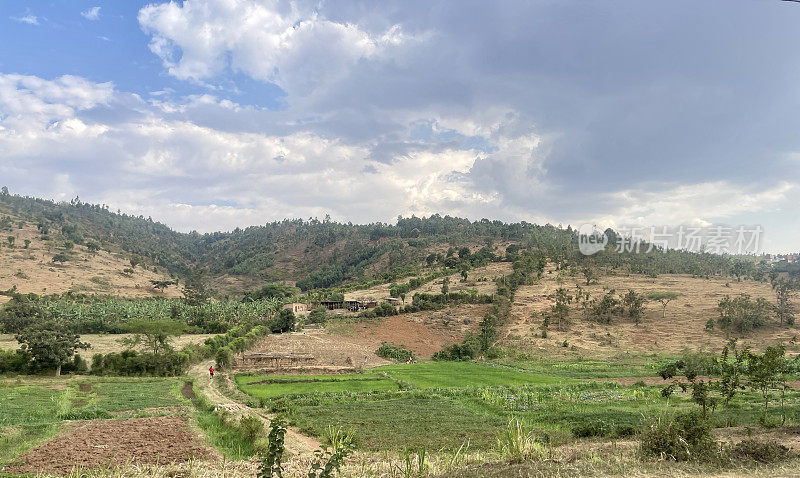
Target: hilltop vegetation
[318,254]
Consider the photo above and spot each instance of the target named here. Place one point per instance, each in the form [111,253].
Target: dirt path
[296,443]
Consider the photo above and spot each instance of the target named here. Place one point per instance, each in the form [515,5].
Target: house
[351,305]
[297,307]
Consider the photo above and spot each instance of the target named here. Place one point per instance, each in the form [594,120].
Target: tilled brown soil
[101,443]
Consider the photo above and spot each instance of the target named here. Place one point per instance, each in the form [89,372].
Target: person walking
[211,371]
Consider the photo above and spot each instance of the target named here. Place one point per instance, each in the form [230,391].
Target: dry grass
[683,327]
[32,270]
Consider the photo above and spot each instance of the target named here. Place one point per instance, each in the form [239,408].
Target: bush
[318,316]
[398,353]
[250,428]
[466,350]
[131,362]
[14,361]
[224,356]
[680,438]
[758,451]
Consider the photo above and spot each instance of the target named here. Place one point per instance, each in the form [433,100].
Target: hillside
[28,265]
[311,254]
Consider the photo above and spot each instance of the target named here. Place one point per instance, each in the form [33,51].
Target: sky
[214,114]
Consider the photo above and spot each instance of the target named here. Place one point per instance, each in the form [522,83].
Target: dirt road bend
[296,443]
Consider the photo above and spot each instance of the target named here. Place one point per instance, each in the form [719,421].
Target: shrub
[318,316]
[131,362]
[743,314]
[680,438]
[758,451]
[517,444]
[250,428]
[466,350]
[398,353]
[224,356]
[14,361]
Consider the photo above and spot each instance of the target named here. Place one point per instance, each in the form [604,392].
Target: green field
[441,405]
[462,374]
[256,386]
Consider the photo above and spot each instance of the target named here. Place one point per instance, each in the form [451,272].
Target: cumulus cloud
[291,45]
[91,14]
[507,110]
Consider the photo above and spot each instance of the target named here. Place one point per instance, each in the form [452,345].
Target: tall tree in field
[194,288]
[589,273]
[785,291]
[50,343]
[664,297]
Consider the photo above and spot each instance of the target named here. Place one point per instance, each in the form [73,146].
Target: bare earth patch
[101,443]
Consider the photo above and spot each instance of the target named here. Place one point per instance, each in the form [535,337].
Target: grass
[254,385]
[462,374]
[394,422]
[444,404]
[137,394]
[581,368]
[223,437]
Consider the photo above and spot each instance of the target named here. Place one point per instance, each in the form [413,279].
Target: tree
[560,310]
[153,335]
[589,273]
[283,322]
[605,309]
[583,297]
[785,291]
[50,343]
[488,332]
[445,285]
[27,243]
[730,365]
[92,247]
[161,284]
[430,259]
[635,304]
[318,316]
[4,191]
[11,240]
[194,288]
[68,245]
[272,290]
[664,297]
[741,268]
[766,372]
[60,257]
[742,313]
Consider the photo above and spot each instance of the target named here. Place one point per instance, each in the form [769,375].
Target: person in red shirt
[211,371]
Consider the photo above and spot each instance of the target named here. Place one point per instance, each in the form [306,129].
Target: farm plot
[443,405]
[461,374]
[110,443]
[266,386]
[37,408]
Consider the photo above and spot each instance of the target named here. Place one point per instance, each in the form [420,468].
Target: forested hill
[315,253]
[320,254]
